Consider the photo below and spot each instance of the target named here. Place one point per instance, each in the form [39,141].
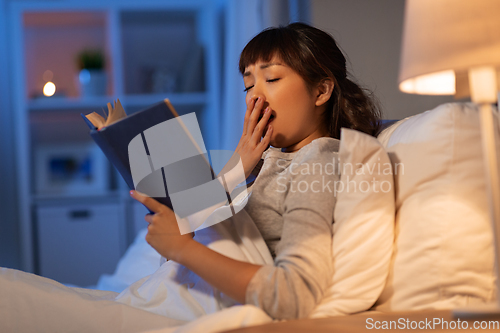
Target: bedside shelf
[66,103]
[150,47]
[62,103]
[184,99]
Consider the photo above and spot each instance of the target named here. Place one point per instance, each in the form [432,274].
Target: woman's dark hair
[315,56]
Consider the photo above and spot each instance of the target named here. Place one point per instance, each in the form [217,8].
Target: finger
[248,112]
[259,128]
[149,202]
[267,138]
[254,116]
[149,218]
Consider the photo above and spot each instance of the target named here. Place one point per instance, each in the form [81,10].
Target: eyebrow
[264,66]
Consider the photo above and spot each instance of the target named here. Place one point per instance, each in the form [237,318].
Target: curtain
[243,20]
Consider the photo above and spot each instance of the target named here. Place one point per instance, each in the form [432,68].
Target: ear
[324,91]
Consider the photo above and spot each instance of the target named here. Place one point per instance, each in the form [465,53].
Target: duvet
[172,299]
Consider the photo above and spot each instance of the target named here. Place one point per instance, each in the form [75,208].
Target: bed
[404,253]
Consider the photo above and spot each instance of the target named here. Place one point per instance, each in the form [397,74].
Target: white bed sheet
[30,303]
[139,260]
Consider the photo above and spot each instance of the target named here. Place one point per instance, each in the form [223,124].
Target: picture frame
[70,170]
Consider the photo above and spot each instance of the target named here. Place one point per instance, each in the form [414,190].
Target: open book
[115,113]
[116,130]
[154,146]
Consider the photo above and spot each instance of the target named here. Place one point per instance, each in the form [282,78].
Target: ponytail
[352,107]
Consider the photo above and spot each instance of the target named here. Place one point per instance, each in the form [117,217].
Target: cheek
[293,101]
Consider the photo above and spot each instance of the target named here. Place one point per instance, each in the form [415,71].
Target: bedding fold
[166,300]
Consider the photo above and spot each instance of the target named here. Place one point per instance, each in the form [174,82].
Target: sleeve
[303,267]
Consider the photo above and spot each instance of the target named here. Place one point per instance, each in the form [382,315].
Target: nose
[258,90]
[255,97]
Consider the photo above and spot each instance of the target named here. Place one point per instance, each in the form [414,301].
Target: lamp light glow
[49,89]
[447,36]
[440,83]
[483,84]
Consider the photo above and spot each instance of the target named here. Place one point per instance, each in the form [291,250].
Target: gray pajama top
[292,204]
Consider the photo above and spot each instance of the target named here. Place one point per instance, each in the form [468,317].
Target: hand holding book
[114,132]
[154,146]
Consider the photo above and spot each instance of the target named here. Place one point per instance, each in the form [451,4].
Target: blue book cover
[114,139]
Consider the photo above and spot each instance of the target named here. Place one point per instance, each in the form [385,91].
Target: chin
[278,140]
[275,144]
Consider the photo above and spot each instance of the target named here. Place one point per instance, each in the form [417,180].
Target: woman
[298,98]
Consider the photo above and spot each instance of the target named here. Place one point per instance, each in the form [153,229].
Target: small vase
[92,82]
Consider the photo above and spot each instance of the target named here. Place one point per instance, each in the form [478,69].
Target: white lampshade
[443,39]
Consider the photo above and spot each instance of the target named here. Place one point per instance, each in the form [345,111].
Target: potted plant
[91,76]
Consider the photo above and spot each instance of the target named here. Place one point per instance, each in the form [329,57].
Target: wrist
[183,251]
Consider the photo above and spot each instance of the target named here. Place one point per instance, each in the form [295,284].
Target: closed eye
[250,87]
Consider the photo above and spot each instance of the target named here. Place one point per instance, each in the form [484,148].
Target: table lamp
[452,47]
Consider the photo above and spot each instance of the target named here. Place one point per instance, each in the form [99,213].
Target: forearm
[228,275]
[302,268]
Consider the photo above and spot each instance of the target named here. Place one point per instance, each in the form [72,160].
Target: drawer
[78,243]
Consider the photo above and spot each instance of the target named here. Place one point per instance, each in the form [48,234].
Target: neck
[307,140]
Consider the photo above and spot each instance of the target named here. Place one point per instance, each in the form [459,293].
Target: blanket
[172,299]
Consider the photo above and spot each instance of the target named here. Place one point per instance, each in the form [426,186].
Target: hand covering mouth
[270,118]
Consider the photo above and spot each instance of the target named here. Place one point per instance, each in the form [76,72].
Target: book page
[96,119]
[114,114]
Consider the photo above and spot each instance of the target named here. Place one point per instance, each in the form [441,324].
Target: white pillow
[443,256]
[363,229]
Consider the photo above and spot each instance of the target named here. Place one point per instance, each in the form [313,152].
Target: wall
[9,229]
[244,20]
[369,32]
